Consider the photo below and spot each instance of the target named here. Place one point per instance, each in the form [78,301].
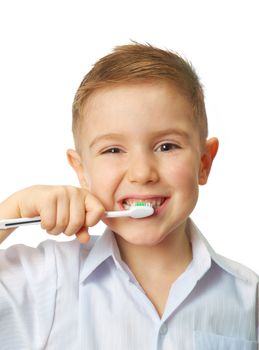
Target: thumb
[83,235]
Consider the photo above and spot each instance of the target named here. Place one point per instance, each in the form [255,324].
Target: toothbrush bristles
[142,204]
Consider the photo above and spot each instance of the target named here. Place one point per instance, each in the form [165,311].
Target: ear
[74,159]
[207,158]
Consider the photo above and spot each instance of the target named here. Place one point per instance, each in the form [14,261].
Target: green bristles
[141,204]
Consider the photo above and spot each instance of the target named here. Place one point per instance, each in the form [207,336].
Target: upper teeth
[153,202]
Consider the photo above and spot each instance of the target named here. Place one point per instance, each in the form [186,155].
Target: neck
[167,259]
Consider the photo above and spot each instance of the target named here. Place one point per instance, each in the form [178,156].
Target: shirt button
[163,329]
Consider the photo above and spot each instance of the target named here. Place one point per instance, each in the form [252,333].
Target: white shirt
[67,295]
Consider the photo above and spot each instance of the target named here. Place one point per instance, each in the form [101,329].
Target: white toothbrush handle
[117,214]
[12,223]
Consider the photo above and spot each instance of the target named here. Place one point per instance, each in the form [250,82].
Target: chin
[142,239]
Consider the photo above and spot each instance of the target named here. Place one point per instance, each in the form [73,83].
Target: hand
[63,209]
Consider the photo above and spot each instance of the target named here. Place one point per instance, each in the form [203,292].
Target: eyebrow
[158,133]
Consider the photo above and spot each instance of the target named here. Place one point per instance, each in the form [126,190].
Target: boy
[140,131]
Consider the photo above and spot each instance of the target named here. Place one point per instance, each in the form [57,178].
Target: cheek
[103,179]
[183,175]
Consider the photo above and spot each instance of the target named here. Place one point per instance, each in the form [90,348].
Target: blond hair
[142,62]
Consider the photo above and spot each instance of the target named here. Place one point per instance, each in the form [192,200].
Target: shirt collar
[202,249]
[105,246]
[101,248]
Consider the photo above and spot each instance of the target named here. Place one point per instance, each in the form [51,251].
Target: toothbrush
[137,211]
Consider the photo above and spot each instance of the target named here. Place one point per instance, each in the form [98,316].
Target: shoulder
[238,270]
[21,256]
[234,268]
[47,253]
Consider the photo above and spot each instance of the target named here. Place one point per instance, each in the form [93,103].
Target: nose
[142,169]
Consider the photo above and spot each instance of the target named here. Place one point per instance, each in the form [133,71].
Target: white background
[48,46]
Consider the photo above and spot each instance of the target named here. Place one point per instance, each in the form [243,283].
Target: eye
[112,150]
[167,147]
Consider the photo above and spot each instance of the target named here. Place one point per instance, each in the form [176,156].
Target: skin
[138,160]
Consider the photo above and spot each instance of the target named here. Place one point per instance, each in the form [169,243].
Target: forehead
[145,104]
[151,94]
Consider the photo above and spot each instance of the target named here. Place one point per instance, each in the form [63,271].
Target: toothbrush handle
[12,223]
[116,214]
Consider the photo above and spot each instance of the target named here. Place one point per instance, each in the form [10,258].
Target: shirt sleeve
[28,287]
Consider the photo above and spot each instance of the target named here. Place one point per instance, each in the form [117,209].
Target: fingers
[94,210]
[61,219]
[48,215]
[71,211]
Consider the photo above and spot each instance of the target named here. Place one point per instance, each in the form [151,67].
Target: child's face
[140,139]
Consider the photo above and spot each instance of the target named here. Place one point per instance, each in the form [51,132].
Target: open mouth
[155,202]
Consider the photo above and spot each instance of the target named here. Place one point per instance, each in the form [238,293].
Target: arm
[9,210]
